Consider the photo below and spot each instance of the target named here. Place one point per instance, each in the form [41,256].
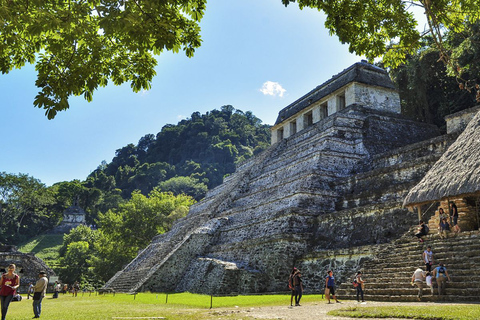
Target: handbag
[37,295]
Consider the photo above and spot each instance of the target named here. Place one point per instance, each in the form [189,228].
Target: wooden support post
[419,210]
[211,301]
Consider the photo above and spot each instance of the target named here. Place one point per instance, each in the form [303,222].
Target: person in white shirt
[417,280]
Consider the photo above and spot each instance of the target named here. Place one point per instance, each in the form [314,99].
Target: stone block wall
[300,197]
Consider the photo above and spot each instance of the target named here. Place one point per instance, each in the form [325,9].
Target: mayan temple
[328,193]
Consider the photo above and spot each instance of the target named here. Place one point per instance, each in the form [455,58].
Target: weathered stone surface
[331,186]
[388,274]
[27,265]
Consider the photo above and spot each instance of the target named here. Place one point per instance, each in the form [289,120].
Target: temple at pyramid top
[361,84]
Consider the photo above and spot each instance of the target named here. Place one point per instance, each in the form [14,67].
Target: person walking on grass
[291,287]
[330,286]
[39,291]
[9,284]
[298,285]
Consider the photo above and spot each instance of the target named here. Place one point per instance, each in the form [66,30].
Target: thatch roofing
[456,173]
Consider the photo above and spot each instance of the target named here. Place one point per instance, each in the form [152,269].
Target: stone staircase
[388,276]
[282,205]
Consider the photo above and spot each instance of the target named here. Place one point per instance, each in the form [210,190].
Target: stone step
[413,291]
[463,282]
[412,297]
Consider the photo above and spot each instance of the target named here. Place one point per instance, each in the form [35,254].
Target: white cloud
[273,89]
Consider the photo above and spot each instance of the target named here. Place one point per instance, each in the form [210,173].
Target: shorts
[332,290]
[455,220]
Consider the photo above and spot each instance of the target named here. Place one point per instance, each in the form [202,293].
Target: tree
[132,226]
[75,261]
[24,207]
[184,185]
[79,46]
[76,252]
[388,28]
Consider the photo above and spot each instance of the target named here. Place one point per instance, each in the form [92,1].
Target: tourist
[330,286]
[444,227]
[417,280]
[56,289]
[428,258]
[65,288]
[428,281]
[298,285]
[39,291]
[421,231]
[30,290]
[454,217]
[360,286]
[441,214]
[76,288]
[9,284]
[291,286]
[441,274]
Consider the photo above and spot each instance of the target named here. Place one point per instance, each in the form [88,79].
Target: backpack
[427,229]
[355,283]
[441,270]
[290,282]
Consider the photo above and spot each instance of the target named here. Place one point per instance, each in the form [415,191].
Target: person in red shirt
[9,284]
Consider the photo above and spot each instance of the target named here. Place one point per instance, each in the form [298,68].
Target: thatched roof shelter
[455,174]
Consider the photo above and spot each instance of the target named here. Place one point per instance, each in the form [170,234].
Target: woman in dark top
[422,231]
[454,216]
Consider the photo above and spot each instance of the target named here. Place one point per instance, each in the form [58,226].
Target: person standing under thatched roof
[454,216]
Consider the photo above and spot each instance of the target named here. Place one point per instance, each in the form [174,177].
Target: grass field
[185,306]
[45,246]
[179,306]
[433,312]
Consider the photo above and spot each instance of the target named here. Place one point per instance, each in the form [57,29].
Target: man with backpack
[441,274]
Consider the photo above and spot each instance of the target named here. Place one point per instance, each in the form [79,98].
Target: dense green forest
[187,158]
[136,196]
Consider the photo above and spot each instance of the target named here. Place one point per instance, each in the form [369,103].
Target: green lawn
[180,306]
[185,306]
[45,247]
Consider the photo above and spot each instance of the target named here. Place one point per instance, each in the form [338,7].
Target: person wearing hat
[39,290]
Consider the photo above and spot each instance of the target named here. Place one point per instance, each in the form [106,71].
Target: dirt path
[308,311]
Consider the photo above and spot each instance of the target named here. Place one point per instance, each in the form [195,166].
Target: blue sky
[246,44]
